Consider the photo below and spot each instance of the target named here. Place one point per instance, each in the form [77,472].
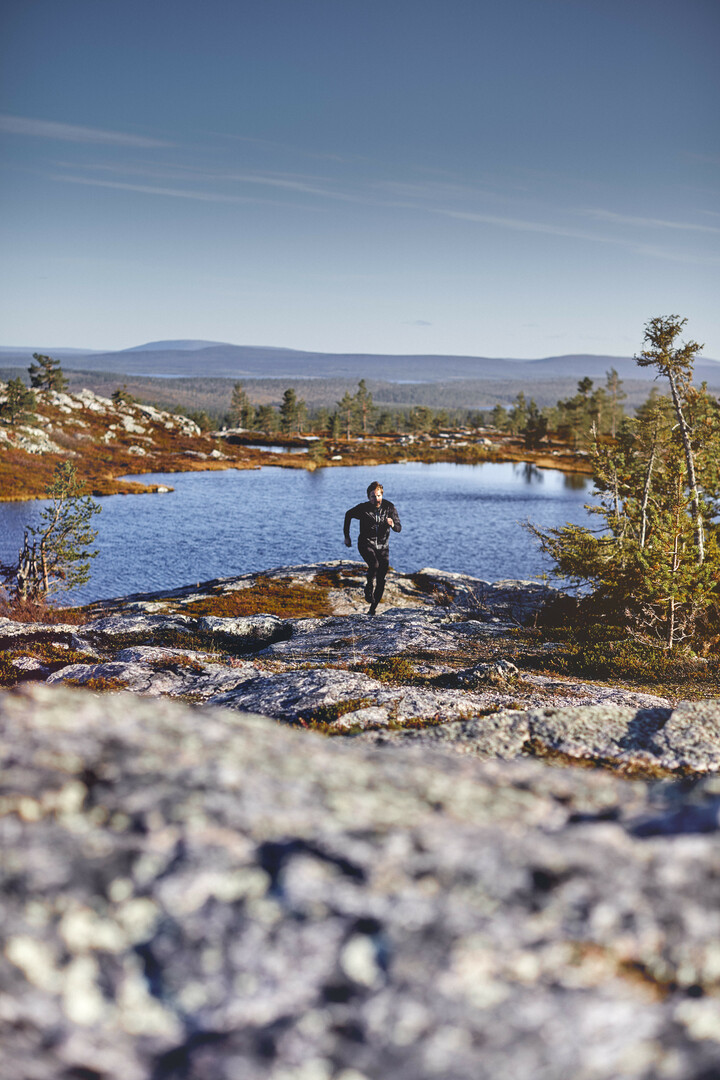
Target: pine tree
[266,419]
[348,414]
[321,420]
[677,365]
[578,413]
[242,411]
[364,407]
[536,426]
[421,418]
[616,395]
[19,404]
[499,417]
[288,411]
[46,374]
[518,414]
[56,553]
[659,490]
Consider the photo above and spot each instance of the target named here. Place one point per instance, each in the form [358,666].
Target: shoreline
[113,484]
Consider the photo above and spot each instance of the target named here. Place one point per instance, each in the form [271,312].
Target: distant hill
[201,359]
[178,346]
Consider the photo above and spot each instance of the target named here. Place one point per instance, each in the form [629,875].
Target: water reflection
[574,481]
[530,472]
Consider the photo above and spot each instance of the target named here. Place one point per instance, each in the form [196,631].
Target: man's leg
[370,556]
[383,565]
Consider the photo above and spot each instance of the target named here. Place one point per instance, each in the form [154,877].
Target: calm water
[464,518]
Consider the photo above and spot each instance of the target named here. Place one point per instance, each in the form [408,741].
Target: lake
[464,518]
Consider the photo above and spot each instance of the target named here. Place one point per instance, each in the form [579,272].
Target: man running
[377,517]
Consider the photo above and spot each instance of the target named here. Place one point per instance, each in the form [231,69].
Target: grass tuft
[269,596]
[391,669]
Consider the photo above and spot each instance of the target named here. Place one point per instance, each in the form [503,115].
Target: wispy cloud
[317,186]
[425,189]
[51,129]
[286,148]
[522,225]
[176,193]
[440,198]
[647,223]
[290,184]
[150,189]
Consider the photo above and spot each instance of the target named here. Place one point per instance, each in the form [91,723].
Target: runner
[377,517]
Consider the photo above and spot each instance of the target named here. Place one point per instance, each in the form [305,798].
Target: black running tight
[378,561]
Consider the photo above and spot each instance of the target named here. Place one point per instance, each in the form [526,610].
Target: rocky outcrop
[200,893]
[416,674]
[107,439]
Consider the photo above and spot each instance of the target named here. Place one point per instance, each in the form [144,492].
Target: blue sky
[488,177]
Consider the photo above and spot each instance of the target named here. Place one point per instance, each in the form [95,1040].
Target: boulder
[250,632]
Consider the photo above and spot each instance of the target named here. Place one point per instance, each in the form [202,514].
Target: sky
[510,178]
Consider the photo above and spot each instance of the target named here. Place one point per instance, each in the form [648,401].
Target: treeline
[355,414]
[570,420]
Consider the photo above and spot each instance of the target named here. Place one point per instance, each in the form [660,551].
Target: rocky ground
[107,439]
[196,891]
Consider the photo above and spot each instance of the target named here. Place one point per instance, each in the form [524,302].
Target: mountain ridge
[194,358]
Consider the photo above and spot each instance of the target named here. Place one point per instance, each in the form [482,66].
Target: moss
[268,596]
[322,718]
[628,770]
[391,669]
[101,684]
[178,664]
[50,654]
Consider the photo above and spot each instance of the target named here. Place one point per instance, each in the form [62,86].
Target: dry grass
[101,684]
[51,655]
[269,596]
[25,476]
[39,611]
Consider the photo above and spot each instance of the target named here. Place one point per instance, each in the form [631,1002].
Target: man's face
[376,497]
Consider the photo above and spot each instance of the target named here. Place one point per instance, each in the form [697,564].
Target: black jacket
[374,528]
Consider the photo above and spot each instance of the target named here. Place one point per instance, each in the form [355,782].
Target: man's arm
[353,512]
[394,518]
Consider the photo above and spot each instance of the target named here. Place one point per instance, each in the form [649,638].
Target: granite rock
[196,893]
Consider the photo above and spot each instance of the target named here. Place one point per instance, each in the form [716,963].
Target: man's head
[375,493]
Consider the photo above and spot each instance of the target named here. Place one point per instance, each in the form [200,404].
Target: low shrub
[629,659]
[269,596]
[321,719]
[101,684]
[391,669]
[40,611]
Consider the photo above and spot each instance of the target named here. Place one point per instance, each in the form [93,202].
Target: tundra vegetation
[647,577]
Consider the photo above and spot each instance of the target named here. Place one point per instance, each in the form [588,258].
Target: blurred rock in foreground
[201,894]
